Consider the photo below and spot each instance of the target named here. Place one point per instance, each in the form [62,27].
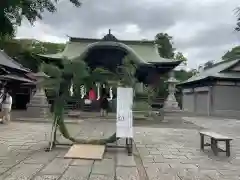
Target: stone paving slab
[82,162]
[129,173]
[125,161]
[100,177]
[22,171]
[57,166]
[76,173]
[47,177]
[104,167]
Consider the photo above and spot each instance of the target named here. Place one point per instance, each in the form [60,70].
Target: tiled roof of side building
[17,78]
[215,71]
[7,61]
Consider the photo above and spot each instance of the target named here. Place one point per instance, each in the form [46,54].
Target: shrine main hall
[109,52]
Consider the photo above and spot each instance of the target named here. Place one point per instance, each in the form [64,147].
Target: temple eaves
[92,40]
[143,50]
[111,37]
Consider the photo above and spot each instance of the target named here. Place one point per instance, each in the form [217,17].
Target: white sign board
[124,112]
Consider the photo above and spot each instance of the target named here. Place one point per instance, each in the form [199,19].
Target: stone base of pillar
[38,106]
[171,103]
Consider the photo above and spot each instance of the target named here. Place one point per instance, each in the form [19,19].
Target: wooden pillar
[228,148]
[202,141]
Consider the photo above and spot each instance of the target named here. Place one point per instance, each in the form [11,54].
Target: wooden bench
[215,138]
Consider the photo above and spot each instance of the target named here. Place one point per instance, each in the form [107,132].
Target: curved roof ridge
[144,53]
[114,44]
[79,39]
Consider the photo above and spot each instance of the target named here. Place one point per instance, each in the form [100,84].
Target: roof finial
[109,31]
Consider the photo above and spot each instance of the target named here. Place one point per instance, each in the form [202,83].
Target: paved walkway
[22,155]
[165,153]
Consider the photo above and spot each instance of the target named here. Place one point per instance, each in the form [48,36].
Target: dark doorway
[106,56]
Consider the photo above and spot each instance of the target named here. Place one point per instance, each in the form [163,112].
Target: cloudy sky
[202,29]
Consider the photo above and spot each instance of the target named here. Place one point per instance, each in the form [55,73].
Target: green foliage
[77,72]
[81,75]
[51,70]
[161,90]
[126,72]
[102,75]
[232,54]
[13,11]
[7,28]
[24,51]
[72,70]
[183,75]
[164,43]
[194,72]
[208,65]
[237,28]
[181,57]
[141,106]
[52,84]
[165,46]
[38,47]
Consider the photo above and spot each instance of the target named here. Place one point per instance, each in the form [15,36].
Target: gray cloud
[202,30]
[212,37]
[94,15]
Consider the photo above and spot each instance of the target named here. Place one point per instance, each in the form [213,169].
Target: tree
[181,57]
[13,11]
[237,28]
[100,75]
[24,51]
[183,75]
[205,66]
[194,72]
[208,64]
[164,45]
[232,54]
[126,72]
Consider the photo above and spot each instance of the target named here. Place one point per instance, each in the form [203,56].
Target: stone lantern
[171,102]
[38,106]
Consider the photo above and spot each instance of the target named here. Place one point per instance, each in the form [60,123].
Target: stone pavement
[171,153]
[162,153]
[22,155]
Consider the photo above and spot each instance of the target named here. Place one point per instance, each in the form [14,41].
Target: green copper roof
[142,51]
[112,38]
[228,75]
[217,71]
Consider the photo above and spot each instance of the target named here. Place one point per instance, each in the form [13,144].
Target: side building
[16,78]
[214,91]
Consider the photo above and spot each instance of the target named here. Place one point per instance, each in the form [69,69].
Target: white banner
[124,124]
